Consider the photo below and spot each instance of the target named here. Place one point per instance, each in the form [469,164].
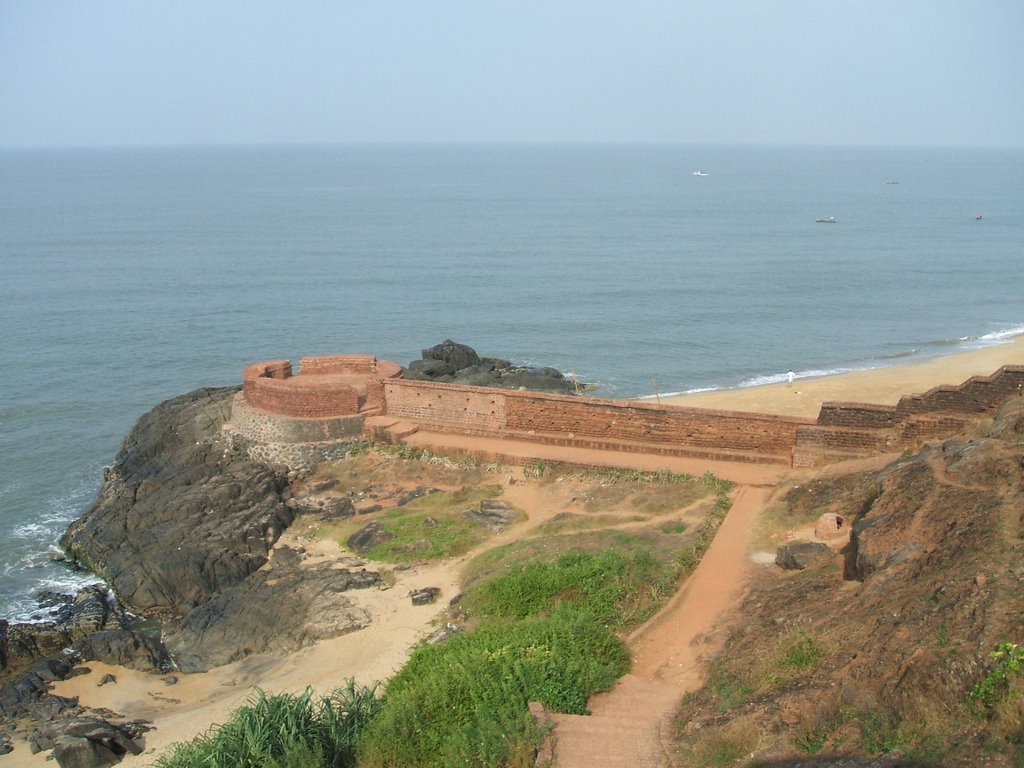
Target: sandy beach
[189,706]
[884,386]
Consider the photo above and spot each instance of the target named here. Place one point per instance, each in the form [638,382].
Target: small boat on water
[979,217]
[700,173]
[829,220]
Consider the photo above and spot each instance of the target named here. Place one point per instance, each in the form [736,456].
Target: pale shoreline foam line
[995,339]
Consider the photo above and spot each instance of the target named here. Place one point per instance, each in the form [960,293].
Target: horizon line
[497,143]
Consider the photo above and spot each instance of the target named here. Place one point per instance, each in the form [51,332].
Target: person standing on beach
[789,378]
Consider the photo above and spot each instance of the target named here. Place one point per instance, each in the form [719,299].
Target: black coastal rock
[181,515]
[455,363]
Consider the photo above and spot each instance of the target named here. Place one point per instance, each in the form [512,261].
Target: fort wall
[330,389]
[517,413]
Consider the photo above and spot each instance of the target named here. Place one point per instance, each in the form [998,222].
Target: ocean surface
[130,276]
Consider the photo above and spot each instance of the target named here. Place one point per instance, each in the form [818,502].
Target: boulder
[138,647]
[798,555]
[428,370]
[458,364]
[369,536]
[424,596]
[494,515]
[454,356]
[90,742]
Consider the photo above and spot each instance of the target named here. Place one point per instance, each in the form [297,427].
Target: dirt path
[626,724]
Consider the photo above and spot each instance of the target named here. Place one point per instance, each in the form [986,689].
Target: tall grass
[548,635]
[283,731]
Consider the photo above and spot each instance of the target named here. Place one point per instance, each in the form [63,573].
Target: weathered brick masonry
[847,429]
[587,421]
[329,387]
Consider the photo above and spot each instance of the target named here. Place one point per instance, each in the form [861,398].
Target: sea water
[128,276]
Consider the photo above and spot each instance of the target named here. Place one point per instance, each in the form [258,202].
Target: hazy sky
[890,72]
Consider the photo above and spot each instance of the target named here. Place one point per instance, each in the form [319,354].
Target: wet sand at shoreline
[882,386]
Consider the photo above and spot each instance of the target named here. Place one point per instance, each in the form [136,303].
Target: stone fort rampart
[344,397]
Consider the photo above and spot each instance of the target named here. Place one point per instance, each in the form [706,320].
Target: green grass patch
[428,528]
[547,635]
[283,731]
[615,588]
[465,702]
[799,652]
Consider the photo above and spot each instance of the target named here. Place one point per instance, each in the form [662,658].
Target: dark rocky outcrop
[65,620]
[281,610]
[90,742]
[26,696]
[456,363]
[181,516]
[493,514]
[90,625]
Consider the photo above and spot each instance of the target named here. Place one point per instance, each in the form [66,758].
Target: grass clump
[691,555]
[283,731]
[800,652]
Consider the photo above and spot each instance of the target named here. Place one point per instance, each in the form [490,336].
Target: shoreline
[879,386]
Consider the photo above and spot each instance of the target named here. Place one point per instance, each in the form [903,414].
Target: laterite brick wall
[514,411]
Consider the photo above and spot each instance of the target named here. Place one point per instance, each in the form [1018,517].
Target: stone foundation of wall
[260,426]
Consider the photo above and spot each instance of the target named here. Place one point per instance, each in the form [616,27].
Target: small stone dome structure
[830,526]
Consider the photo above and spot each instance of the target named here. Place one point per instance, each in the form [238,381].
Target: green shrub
[283,731]
[1009,658]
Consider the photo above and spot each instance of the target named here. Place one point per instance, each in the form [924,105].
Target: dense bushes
[283,731]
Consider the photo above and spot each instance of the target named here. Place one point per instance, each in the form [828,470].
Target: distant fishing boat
[979,217]
[829,220]
[892,182]
[700,173]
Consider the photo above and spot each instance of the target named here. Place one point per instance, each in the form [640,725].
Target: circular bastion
[301,419]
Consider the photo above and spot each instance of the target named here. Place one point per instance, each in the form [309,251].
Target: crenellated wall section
[331,396]
[843,430]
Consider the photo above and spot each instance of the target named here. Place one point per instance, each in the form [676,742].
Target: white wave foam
[778,378]
[1004,335]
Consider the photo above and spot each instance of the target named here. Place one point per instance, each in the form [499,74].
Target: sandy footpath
[884,386]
